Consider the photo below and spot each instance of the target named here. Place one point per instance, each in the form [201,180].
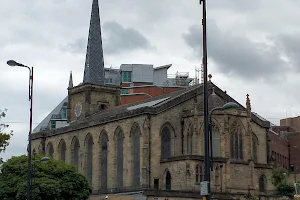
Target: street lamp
[226,106]
[205,104]
[13,63]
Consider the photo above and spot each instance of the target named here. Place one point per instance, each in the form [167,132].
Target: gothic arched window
[217,176]
[119,156]
[262,183]
[166,142]
[199,173]
[62,150]
[168,181]
[50,150]
[254,148]
[135,134]
[236,141]
[103,150]
[75,153]
[89,158]
[190,140]
[216,142]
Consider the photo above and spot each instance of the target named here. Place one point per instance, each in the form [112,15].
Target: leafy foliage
[279,175]
[279,178]
[52,180]
[4,137]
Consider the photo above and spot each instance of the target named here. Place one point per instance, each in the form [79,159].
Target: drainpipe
[289,149]
[182,136]
[149,152]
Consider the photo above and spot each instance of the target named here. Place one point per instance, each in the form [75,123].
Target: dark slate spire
[70,80]
[94,63]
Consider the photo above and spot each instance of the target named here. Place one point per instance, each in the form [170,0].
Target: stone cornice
[191,157]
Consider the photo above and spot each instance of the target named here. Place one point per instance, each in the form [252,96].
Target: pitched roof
[154,105]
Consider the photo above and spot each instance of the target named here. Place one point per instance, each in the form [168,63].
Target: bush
[286,189]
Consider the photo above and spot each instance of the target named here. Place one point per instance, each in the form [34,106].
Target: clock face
[78,109]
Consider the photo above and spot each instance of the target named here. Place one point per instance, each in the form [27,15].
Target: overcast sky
[253,47]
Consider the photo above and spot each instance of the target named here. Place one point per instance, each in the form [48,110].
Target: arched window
[62,150]
[168,181]
[217,176]
[103,150]
[50,150]
[254,147]
[135,134]
[89,158]
[216,142]
[119,156]
[262,183]
[199,173]
[75,153]
[236,141]
[165,142]
[190,140]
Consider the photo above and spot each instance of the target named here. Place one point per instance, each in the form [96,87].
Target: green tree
[4,137]
[279,175]
[53,180]
[280,181]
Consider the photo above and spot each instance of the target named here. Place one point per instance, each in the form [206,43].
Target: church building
[155,146]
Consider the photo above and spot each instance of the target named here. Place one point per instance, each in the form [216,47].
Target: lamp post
[14,63]
[226,106]
[205,102]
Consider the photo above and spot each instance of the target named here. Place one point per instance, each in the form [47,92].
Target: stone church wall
[235,177]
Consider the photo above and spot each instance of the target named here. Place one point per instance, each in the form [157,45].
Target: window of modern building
[53,124]
[125,91]
[64,113]
[108,80]
[126,76]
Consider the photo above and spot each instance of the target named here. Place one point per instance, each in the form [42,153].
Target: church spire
[70,80]
[94,62]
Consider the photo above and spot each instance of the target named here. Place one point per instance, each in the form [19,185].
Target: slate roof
[56,112]
[94,62]
[154,105]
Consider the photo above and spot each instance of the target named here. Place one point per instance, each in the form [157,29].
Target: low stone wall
[111,197]
[274,197]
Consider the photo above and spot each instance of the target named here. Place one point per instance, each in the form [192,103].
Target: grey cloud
[237,55]
[235,5]
[117,39]
[290,45]
[78,46]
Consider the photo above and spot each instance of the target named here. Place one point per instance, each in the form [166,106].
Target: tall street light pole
[14,63]
[205,101]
